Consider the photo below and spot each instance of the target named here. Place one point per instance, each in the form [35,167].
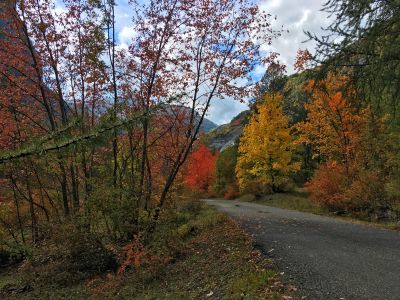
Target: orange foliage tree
[348,142]
[89,128]
[200,172]
[332,127]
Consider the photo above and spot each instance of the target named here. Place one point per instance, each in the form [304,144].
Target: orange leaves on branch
[200,172]
[327,184]
[333,126]
[97,286]
[134,253]
[348,141]
[303,59]
[340,189]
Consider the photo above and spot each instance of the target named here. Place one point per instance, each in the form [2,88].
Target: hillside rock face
[227,135]
[207,125]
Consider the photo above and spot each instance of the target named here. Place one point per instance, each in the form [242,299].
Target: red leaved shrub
[327,186]
[355,190]
[232,191]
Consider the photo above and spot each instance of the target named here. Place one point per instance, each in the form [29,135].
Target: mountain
[207,125]
[292,89]
[174,110]
[227,135]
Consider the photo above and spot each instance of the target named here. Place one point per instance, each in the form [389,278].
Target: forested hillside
[332,127]
[106,151]
[94,135]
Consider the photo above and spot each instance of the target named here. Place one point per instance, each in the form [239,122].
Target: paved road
[326,257]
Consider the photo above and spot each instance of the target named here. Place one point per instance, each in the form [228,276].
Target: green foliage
[12,253]
[191,236]
[363,40]
[245,287]
[295,97]
[297,200]
[70,255]
[225,169]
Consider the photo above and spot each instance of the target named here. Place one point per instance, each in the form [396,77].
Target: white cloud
[303,15]
[126,35]
[293,16]
[222,111]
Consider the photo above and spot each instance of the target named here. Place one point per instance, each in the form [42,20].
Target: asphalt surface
[326,258]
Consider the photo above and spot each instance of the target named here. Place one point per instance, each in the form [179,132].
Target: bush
[9,258]
[69,256]
[248,197]
[365,192]
[327,186]
[358,191]
[225,174]
[232,191]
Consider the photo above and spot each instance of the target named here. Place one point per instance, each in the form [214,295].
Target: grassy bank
[299,200]
[194,253]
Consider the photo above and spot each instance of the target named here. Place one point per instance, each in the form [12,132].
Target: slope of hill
[208,125]
[226,135]
[174,110]
[292,89]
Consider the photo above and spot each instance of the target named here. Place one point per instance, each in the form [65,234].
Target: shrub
[225,169]
[365,192]
[327,186]
[258,187]
[248,197]
[9,257]
[232,191]
[356,190]
[69,256]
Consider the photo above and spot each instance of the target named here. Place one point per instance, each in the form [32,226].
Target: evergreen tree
[363,40]
[225,168]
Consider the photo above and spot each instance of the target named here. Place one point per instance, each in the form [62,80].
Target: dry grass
[195,253]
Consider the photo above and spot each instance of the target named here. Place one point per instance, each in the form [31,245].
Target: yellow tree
[266,148]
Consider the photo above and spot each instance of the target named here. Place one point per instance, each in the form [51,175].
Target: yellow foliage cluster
[266,148]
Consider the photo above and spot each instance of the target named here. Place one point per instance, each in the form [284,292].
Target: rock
[227,135]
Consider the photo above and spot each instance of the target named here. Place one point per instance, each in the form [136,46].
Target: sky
[294,16]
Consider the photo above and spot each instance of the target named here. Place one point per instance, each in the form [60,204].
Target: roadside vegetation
[94,144]
[101,143]
[194,253]
[332,128]
[299,200]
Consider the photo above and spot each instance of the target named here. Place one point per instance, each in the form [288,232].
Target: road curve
[327,258]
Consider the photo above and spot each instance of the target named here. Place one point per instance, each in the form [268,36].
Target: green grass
[299,200]
[196,253]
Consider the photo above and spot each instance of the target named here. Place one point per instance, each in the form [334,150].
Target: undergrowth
[193,253]
[299,200]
